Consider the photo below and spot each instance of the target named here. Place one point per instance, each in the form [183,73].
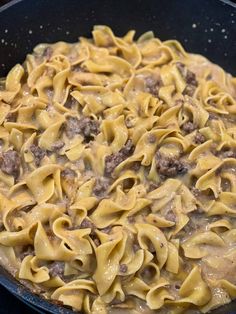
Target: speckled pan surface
[207,27]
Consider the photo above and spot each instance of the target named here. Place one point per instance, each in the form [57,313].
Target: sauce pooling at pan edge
[117,176]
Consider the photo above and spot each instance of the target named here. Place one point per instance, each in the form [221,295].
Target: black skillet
[207,27]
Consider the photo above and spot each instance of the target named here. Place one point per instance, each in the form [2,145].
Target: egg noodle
[118,176]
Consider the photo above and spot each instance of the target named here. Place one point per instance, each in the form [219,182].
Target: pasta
[117,176]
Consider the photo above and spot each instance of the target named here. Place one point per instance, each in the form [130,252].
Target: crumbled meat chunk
[27,250]
[213,116]
[10,163]
[101,187]
[11,117]
[131,219]
[199,138]
[135,166]
[209,77]
[78,68]
[70,102]
[87,224]
[189,77]
[56,269]
[170,216]
[68,174]
[196,192]
[57,145]
[1,226]
[188,127]
[84,126]
[152,186]
[38,153]
[107,229]
[136,247]
[151,138]
[189,90]
[128,122]
[170,166]
[96,242]
[152,85]
[227,154]
[123,268]
[178,102]
[113,160]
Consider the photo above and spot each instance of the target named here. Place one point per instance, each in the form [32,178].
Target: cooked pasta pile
[118,176]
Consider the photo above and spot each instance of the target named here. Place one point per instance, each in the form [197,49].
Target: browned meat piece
[136,246]
[113,160]
[84,126]
[152,85]
[123,268]
[213,116]
[152,186]
[135,166]
[189,77]
[38,153]
[68,174]
[227,154]
[27,250]
[96,242]
[170,216]
[10,163]
[70,102]
[196,192]
[131,219]
[57,145]
[199,138]
[189,90]
[107,229]
[56,269]
[188,127]
[170,166]
[78,68]
[1,226]
[151,138]
[87,224]
[11,117]
[101,187]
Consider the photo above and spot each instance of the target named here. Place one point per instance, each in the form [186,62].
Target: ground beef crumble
[113,160]
[85,126]
[101,186]
[170,166]
[123,268]
[153,85]
[68,174]
[38,153]
[11,117]
[199,138]
[10,163]
[56,269]
[57,145]
[188,127]
[189,77]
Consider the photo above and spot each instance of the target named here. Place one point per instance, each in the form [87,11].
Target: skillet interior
[204,26]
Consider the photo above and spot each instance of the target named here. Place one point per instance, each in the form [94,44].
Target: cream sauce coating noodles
[118,176]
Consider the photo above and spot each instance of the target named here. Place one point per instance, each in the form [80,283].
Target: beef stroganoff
[118,176]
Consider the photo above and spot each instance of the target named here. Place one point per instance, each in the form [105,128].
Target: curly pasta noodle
[117,180]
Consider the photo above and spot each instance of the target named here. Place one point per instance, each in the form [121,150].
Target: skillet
[207,27]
